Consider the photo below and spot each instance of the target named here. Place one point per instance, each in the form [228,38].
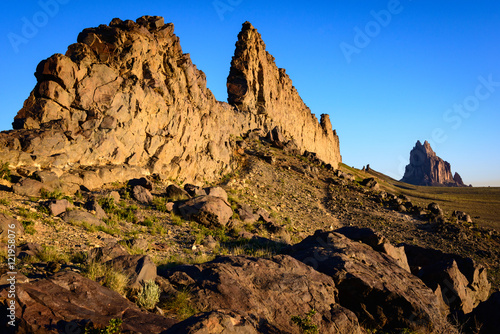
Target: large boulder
[28,187]
[217,322]
[378,242]
[80,217]
[142,195]
[383,295]
[139,268]
[207,210]
[463,282]
[66,302]
[270,291]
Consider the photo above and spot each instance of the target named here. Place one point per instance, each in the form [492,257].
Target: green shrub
[108,276]
[5,171]
[305,324]
[181,305]
[28,227]
[114,327]
[149,295]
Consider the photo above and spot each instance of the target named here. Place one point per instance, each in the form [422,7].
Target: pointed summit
[256,86]
[427,169]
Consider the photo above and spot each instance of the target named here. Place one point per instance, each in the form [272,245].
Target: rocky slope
[125,96]
[427,169]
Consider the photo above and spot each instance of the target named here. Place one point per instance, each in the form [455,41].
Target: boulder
[139,268]
[194,191]
[246,214]
[106,253]
[435,209]
[269,291]
[66,302]
[6,224]
[28,187]
[276,137]
[378,242]
[78,216]
[142,195]
[382,294]
[463,283]
[217,192]
[58,206]
[207,210]
[462,216]
[49,179]
[28,250]
[143,182]
[94,206]
[216,322]
[370,183]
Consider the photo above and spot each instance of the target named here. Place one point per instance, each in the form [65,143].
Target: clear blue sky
[385,81]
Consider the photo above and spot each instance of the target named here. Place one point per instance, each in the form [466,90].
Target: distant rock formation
[126,95]
[427,169]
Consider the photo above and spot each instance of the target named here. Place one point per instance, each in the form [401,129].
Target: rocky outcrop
[67,302]
[127,95]
[269,291]
[258,88]
[427,169]
[371,284]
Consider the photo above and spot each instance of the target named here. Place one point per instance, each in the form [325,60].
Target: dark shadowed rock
[94,205]
[175,193]
[207,210]
[268,291]
[247,215]
[143,182]
[194,191]
[382,294]
[68,300]
[463,283]
[370,183]
[487,315]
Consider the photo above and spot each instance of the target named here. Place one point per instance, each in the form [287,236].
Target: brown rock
[139,268]
[270,291]
[175,193]
[207,210]
[68,301]
[464,284]
[427,169]
[58,206]
[383,295]
[28,187]
[77,216]
[142,195]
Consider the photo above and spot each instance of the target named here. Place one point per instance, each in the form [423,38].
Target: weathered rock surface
[270,291]
[210,211]
[139,268]
[427,169]
[142,195]
[217,322]
[463,283]
[382,294]
[79,217]
[256,86]
[6,223]
[126,94]
[67,300]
